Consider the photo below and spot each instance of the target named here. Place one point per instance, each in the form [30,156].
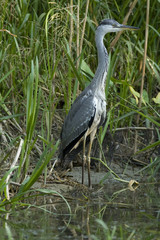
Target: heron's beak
[126,27]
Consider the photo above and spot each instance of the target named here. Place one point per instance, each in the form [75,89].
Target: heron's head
[110,25]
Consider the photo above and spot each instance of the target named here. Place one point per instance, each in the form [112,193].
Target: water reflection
[121,214]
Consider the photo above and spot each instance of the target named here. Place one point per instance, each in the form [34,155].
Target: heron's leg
[84,158]
[92,135]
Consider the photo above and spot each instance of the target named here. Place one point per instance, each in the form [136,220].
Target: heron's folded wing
[78,120]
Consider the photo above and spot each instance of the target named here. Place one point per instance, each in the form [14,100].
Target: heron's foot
[68,165]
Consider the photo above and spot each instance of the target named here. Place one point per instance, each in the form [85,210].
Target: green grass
[42,71]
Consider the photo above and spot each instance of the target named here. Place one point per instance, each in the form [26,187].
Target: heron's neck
[99,79]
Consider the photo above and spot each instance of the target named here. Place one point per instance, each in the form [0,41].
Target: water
[110,212]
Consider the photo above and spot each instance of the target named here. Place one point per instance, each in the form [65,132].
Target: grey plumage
[89,109]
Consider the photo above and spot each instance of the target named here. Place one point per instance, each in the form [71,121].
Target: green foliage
[104,232]
[29,181]
[42,71]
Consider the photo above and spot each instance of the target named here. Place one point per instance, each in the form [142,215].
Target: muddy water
[110,211]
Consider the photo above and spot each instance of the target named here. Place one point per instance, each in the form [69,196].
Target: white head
[110,25]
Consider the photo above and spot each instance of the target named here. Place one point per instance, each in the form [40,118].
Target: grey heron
[88,111]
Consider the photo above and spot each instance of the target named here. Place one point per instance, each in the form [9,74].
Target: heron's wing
[78,120]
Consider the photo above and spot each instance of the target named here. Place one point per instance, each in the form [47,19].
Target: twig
[50,172]
[143,70]
[84,25]
[145,54]
[82,37]
[5,30]
[16,184]
[78,35]
[78,48]
[124,22]
[13,165]
[134,128]
[71,27]
[2,133]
